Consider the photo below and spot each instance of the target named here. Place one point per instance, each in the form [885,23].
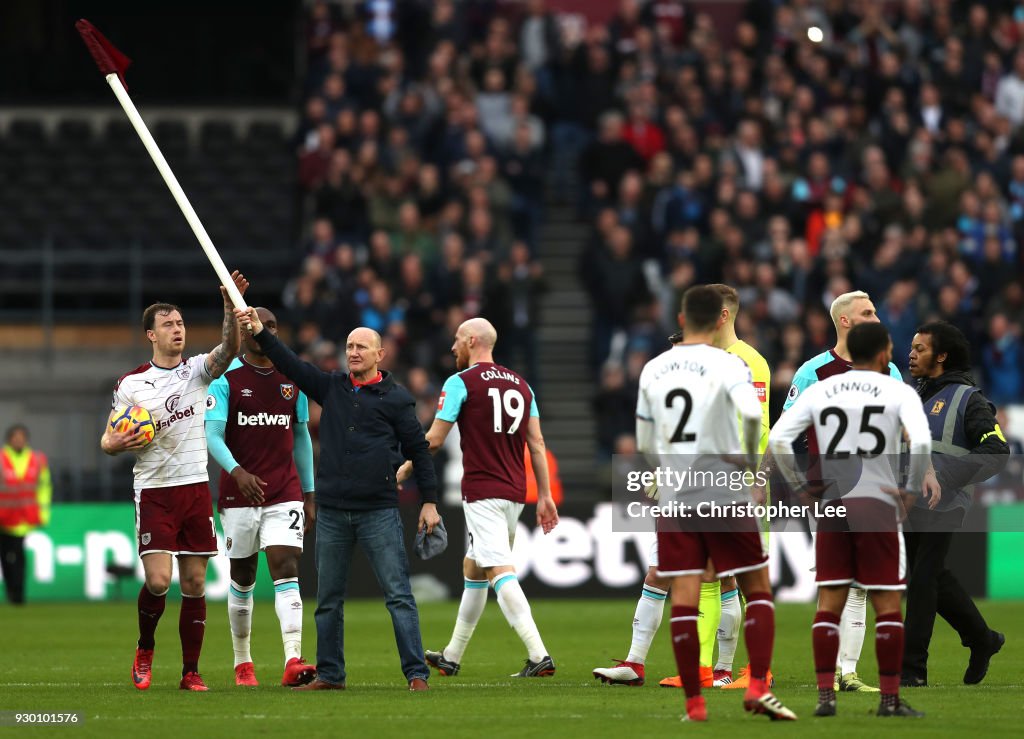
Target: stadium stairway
[566,380]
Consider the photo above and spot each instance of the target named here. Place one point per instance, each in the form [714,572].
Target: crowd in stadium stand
[889,158]
[422,170]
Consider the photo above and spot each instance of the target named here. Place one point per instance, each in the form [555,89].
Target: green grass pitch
[78,658]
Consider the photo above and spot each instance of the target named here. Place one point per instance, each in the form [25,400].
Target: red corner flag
[104,53]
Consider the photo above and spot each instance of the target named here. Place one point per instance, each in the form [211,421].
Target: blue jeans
[379,533]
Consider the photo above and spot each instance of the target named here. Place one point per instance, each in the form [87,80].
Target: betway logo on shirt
[265,419]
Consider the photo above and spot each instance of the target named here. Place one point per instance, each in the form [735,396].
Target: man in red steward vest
[24,505]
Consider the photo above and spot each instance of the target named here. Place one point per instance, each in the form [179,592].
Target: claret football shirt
[260,407]
[492,405]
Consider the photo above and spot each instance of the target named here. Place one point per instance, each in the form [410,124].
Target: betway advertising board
[585,556]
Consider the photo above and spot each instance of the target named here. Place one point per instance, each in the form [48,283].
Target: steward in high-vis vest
[25,494]
[967,447]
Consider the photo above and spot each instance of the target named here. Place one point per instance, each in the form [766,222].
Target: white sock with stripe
[516,608]
[474,599]
[288,604]
[729,629]
[852,629]
[240,620]
[646,621]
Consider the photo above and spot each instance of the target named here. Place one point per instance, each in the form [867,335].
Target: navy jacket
[365,434]
[988,450]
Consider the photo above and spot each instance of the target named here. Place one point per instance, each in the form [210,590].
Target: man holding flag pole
[173,510]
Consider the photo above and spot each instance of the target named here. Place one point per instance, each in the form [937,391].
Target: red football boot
[245,675]
[696,709]
[297,672]
[192,681]
[142,669]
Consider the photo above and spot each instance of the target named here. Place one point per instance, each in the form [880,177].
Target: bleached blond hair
[842,303]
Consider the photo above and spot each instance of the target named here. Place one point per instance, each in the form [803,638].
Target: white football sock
[517,612]
[646,620]
[240,619]
[729,629]
[474,599]
[288,603]
[852,628]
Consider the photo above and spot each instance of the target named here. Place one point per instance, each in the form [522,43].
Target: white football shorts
[491,525]
[253,529]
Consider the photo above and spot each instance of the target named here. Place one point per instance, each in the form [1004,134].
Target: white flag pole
[172,184]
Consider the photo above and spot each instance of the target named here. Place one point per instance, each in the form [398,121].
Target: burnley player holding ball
[256,430]
[173,510]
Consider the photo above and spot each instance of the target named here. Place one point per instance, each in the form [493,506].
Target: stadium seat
[265,134]
[75,132]
[233,162]
[12,235]
[215,136]
[119,136]
[171,136]
[26,132]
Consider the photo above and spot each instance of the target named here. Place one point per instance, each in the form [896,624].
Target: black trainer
[913,681]
[825,708]
[445,667]
[901,709]
[544,668]
[977,667]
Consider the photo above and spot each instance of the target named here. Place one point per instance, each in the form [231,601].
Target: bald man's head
[474,342]
[482,330]
[365,335]
[363,352]
[269,321]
